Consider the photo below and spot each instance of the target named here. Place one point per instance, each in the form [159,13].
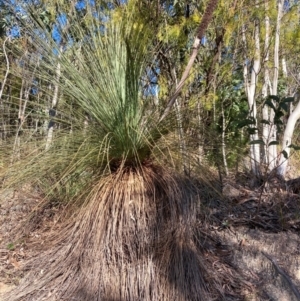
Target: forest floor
[258,231]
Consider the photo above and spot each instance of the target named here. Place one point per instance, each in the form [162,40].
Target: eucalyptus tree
[262,33]
[254,39]
[134,234]
[290,78]
[278,101]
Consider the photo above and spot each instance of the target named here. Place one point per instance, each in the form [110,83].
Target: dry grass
[147,234]
[135,238]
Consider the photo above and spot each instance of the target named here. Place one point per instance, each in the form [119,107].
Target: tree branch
[7,68]
[211,6]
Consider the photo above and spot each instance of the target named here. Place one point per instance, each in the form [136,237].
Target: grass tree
[133,234]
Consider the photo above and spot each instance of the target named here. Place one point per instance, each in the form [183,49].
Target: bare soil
[258,233]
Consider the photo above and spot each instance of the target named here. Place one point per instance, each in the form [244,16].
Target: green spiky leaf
[288,99]
[295,147]
[246,122]
[284,106]
[274,97]
[269,103]
[252,131]
[273,143]
[259,141]
[285,154]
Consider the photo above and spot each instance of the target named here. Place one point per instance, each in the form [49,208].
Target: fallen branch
[287,279]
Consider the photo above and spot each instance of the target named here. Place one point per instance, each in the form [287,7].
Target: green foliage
[295,147]
[285,154]
[280,107]
[273,143]
[258,141]
[103,120]
[102,69]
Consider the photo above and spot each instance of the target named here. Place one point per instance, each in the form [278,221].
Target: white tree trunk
[250,87]
[265,110]
[276,47]
[223,141]
[16,154]
[6,72]
[288,132]
[284,67]
[273,129]
[53,105]
[200,123]
[287,141]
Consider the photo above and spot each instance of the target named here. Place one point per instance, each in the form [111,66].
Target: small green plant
[10,246]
